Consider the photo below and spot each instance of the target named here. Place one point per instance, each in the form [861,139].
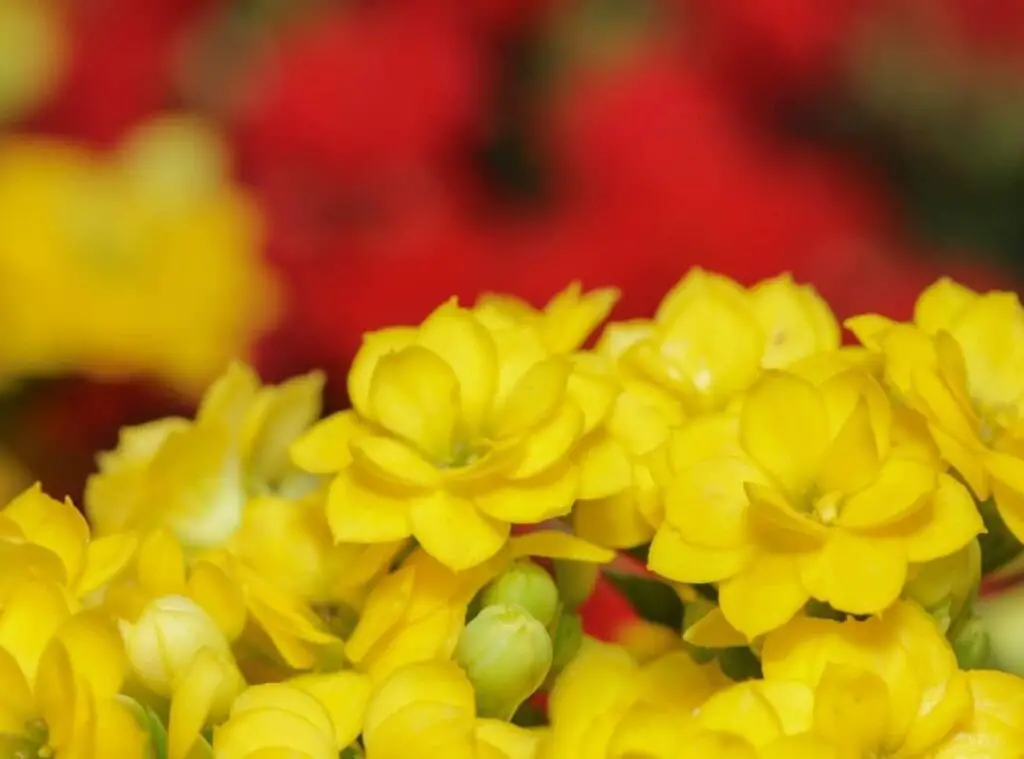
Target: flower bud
[527,586]
[506,654]
[576,581]
[971,644]
[566,639]
[154,727]
[166,638]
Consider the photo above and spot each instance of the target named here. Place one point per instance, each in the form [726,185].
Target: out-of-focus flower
[62,675]
[42,537]
[144,262]
[427,709]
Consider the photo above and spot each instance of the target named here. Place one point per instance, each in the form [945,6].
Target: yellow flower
[710,336]
[427,710]
[564,323]
[958,366]
[996,726]
[458,431]
[418,612]
[60,675]
[604,703]
[153,236]
[43,537]
[888,685]
[195,477]
[32,35]
[810,499]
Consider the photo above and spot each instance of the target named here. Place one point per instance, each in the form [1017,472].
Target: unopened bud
[168,636]
[507,654]
[945,586]
[527,586]
[972,645]
[576,581]
[566,638]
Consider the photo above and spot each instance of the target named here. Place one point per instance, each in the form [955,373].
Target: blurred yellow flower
[995,729]
[43,537]
[458,431]
[606,704]
[60,676]
[145,262]
[811,500]
[427,710]
[195,477]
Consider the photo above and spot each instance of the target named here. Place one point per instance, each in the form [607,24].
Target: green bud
[1003,616]
[507,654]
[576,582]
[527,586]
[566,639]
[971,644]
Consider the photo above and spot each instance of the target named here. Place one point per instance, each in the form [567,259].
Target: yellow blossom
[885,685]
[996,726]
[60,675]
[427,710]
[154,237]
[458,430]
[43,537]
[605,701]
[564,323]
[811,498]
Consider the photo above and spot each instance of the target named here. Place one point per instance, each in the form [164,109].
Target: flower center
[31,744]
[465,453]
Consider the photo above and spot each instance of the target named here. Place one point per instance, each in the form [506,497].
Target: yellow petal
[550,443]
[384,609]
[96,651]
[615,521]
[280,416]
[345,695]
[361,510]
[552,544]
[605,467]
[764,596]
[299,727]
[854,574]
[784,428]
[708,503]
[16,702]
[104,559]
[230,397]
[941,303]
[571,316]
[195,696]
[867,328]
[56,526]
[777,525]
[435,682]
[324,448]
[534,399]
[393,461]
[220,596]
[34,612]
[851,707]
[467,347]
[900,488]
[714,631]
[532,501]
[161,565]
[672,557]
[415,395]
[118,733]
[852,459]
[375,346]
[949,521]
[57,695]
[512,741]
[990,331]
[454,531]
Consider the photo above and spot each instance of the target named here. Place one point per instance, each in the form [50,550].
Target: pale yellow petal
[454,531]
[361,510]
[764,596]
[375,346]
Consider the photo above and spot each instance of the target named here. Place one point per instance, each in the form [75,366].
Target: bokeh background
[186,182]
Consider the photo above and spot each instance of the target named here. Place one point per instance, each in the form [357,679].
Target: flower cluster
[405,578]
[144,261]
